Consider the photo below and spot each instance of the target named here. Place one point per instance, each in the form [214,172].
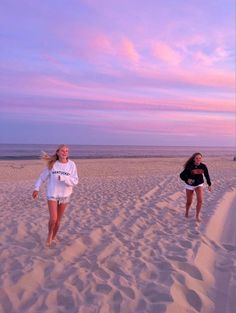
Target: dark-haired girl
[192,175]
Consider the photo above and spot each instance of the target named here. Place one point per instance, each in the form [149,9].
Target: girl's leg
[60,211]
[189,199]
[52,207]
[199,194]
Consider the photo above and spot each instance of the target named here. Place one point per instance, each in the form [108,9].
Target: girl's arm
[185,175]
[206,174]
[71,180]
[42,178]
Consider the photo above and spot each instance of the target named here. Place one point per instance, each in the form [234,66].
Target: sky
[125,72]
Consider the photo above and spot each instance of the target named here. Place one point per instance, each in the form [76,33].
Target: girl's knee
[57,223]
[52,221]
[199,202]
[188,202]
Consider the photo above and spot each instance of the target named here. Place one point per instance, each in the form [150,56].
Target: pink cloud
[54,63]
[86,42]
[124,120]
[102,98]
[218,55]
[171,124]
[190,50]
[209,127]
[92,44]
[203,58]
[104,43]
[211,78]
[73,107]
[196,76]
[99,42]
[127,49]
[185,43]
[165,53]
[221,52]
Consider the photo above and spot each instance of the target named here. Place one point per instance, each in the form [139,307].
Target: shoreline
[33,151]
[157,156]
[36,158]
[206,158]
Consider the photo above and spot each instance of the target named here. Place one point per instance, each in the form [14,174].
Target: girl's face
[198,159]
[63,153]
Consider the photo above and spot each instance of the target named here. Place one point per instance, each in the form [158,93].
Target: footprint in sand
[101,273]
[157,307]
[153,295]
[117,300]
[78,283]
[224,265]
[191,270]
[142,306]
[194,300]
[103,288]
[65,299]
[5,302]
[176,258]
[186,244]
[16,275]
[128,292]
[229,247]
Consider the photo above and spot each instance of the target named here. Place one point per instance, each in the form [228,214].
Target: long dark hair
[191,159]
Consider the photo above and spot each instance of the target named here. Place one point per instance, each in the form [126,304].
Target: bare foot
[56,239]
[48,243]
[186,215]
[198,219]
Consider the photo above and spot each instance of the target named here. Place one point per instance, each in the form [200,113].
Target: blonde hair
[51,159]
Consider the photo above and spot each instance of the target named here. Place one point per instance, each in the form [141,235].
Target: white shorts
[59,199]
[192,187]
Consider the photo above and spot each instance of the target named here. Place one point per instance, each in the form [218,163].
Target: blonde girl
[61,176]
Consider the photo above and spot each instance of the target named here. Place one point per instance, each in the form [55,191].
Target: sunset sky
[153,72]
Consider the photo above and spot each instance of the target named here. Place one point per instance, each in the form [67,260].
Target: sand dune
[125,244]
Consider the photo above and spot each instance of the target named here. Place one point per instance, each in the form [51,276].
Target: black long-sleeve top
[196,172]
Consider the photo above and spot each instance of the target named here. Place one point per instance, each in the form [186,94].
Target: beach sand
[125,244]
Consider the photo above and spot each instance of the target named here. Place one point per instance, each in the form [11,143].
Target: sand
[125,244]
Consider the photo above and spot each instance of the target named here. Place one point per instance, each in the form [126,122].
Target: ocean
[33,151]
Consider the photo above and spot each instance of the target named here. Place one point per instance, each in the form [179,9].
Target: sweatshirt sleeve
[71,180]
[184,175]
[42,178]
[206,174]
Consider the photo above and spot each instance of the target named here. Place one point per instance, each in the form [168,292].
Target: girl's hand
[190,181]
[209,188]
[35,194]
